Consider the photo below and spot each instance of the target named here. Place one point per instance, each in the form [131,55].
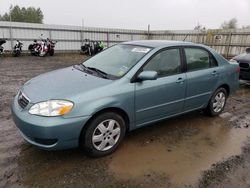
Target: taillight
[237,69]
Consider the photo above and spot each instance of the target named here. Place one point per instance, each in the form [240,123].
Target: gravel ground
[192,150]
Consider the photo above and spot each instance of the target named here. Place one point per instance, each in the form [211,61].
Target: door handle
[214,73]
[180,80]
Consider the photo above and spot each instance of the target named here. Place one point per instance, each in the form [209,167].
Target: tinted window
[165,63]
[213,62]
[196,59]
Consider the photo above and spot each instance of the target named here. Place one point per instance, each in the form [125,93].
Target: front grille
[244,65]
[23,101]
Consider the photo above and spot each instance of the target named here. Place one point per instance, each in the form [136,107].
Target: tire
[51,52]
[16,53]
[31,46]
[220,98]
[108,129]
[42,54]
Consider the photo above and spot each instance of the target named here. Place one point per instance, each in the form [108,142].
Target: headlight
[51,108]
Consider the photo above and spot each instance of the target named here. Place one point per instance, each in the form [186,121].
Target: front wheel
[103,134]
[16,53]
[217,102]
[42,53]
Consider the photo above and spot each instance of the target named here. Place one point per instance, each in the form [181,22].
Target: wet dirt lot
[192,150]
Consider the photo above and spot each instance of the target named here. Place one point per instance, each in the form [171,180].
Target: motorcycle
[2,41]
[46,46]
[17,49]
[33,48]
[92,47]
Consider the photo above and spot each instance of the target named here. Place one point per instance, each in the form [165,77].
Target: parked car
[127,86]
[244,63]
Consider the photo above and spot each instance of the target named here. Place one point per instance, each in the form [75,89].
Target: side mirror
[147,75]
[248,50]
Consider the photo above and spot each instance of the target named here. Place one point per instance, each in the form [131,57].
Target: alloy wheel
[106,135]
[219,102]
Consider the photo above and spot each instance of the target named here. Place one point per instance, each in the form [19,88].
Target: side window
[165,63]
[196,59]
[213,62]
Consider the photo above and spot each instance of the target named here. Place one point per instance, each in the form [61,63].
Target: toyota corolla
[130,85]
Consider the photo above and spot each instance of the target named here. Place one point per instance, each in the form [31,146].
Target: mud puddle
[180,149]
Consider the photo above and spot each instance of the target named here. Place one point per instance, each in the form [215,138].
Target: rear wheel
[51,52]
[217,102]
[103,134]
[16,53]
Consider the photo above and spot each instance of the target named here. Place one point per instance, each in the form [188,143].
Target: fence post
[148,31]
[228,44]
[50,36]
[199,38]
[11,36]
[107,39]
[203,38]
[172,37]
[81,36]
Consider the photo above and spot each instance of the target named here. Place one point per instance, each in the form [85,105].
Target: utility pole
[82,31]
[11,34]
[82,22]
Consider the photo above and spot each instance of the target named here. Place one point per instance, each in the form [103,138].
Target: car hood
[61,84]
[243,57]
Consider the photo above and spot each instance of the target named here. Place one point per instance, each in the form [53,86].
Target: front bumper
[51,133]
[245,74]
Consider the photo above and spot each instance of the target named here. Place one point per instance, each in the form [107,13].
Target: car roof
[159,43]
[242,57]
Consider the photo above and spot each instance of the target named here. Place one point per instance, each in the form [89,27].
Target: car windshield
[117,60]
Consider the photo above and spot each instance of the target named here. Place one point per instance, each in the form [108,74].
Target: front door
[163,97]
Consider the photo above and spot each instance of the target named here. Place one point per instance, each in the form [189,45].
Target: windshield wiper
[92,70]
[83,68]
[103,74]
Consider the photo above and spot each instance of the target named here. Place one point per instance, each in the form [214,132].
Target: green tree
[231,24]
[30,15]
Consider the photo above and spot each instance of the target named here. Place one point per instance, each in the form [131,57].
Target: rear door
[202,77]
[157,99]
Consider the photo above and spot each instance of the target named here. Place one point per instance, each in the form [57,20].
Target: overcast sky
[137,14]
